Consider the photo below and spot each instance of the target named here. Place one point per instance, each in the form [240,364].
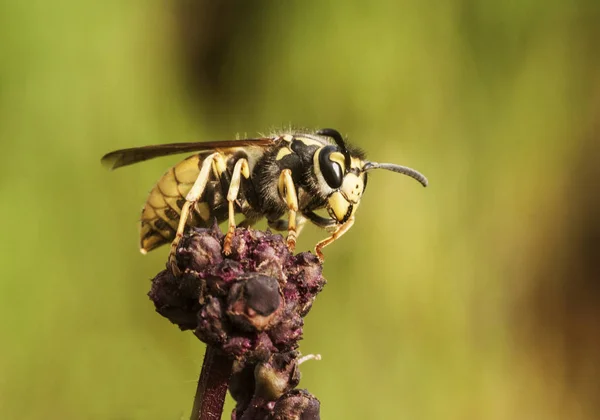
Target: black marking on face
[348,213]
[346,216]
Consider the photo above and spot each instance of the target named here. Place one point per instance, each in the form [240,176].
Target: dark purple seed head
[249,304]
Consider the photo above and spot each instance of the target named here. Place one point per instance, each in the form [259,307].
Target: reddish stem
[212,386]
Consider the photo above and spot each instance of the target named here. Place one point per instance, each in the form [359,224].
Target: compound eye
[331,170]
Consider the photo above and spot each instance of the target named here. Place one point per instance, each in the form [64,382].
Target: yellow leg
[240,169]
[340,230]
[287,190]
[191,198]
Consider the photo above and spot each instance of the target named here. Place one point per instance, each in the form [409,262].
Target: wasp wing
[124,157]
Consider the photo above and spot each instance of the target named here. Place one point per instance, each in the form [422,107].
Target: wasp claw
[174,268]
[291,244]
[291,240]
[172,260]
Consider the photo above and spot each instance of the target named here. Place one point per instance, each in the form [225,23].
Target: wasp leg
[240,169]
[191,198]
[339,231]
[322,222]
[287,190]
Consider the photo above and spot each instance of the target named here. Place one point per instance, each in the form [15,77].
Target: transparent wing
[124,157]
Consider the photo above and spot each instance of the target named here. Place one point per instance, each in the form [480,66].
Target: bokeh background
[477,298]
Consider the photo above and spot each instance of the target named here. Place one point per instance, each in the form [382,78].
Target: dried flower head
[248,305]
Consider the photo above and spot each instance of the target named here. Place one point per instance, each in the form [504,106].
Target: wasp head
[342,175]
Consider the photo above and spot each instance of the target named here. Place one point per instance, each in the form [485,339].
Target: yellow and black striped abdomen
[160,216]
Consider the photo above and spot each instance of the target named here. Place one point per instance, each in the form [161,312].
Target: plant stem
[212,386]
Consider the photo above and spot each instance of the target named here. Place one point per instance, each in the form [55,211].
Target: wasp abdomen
[161,212]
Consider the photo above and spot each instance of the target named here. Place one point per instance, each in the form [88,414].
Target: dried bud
[253,302]
[276,376]
[297,404]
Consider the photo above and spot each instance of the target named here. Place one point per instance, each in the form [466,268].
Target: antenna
[399,169]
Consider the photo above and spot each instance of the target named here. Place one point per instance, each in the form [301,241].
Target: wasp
[284,178]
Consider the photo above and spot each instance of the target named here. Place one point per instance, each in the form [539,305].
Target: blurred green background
[477,298]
